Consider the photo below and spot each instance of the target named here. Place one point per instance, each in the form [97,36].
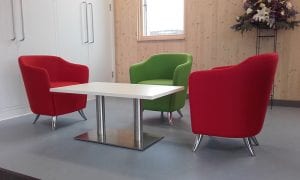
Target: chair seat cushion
[167,82]
[54,84]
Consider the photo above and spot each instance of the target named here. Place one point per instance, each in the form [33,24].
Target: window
[161,19]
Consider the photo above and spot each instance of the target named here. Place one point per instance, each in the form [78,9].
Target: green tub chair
[164,69]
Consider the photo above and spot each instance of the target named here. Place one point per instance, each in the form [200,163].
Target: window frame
[140,29]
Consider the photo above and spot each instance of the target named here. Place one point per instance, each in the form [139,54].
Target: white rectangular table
[137,139]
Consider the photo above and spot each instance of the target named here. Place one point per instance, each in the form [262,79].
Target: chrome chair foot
[180,113]
[36,118]
[254,140]
[198,140]
[81,112]
[170,118]
[53,122]
[249,147]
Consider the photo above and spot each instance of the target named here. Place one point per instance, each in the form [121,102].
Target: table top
[125,90]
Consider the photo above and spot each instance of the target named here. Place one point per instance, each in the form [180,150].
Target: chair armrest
[137,72]
[33,76]
[37,85]
[74,72]
[180,78]
[181,74]
[211,91]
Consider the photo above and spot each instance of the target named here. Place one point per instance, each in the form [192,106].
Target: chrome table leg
[100,112]
[138,124]
[126,138]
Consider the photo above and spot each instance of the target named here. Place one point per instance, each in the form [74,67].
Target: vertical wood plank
[210,40]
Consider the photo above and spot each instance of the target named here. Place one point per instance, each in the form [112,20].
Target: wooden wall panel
[210,40]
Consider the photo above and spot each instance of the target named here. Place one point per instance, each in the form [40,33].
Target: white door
[72,30]
[12,93]
[35,20]
[101,42]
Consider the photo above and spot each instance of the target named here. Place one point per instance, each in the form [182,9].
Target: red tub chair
[232,101]
[40,73]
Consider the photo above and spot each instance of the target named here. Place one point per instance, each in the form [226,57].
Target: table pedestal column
[136,139]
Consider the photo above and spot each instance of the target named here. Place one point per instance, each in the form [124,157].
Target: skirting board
[13,112]
[17,111]
[277,102]
[286,103]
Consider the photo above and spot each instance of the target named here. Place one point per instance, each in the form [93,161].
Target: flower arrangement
[267,14]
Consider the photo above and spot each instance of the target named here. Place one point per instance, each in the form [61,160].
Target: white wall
[47,28]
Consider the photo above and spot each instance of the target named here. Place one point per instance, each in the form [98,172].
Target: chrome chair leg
[81,112]
[254,140]
[180,113]
[198,140]
[170,118]
[161,115]
[247,143]
[36,118]
[54,118]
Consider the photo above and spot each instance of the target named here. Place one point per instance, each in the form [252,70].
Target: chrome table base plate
[120,138]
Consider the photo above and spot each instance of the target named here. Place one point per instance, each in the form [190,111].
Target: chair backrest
[232,102]
[162,66]
[52,64]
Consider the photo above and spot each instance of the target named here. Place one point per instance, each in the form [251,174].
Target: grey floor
[38,151]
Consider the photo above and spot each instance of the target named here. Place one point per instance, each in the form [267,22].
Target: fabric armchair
[40,73]
[164,69]
[232,101]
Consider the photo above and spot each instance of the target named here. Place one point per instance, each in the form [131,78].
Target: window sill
[161,38]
